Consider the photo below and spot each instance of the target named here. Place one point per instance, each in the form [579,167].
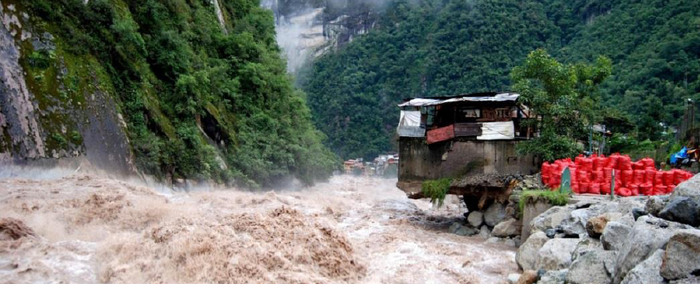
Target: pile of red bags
[594,175]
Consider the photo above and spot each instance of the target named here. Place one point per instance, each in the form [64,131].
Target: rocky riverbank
[634,240]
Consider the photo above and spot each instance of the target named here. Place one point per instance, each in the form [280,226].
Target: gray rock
[646,237]
[484,232]
[509,242]
[556,254]
[614,235]
[638,212]
[495,240]
[682,256]
[554,277]
[590,268]
[475,219]
[646,272]
[494,214]
[586,245]
[526,257]
[466,231]
[575,224]
[454,227]
[654,205]
[689,188]
[682,210]
[551,218]
[507,228]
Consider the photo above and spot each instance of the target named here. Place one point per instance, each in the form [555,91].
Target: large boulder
[475,219]
[646,272]
[689,188]
[554,277]
[590,268]
[648,235]
[526,257]
[495,214]
[614,235]
[459,229]
[682,256]
[551,218]
[596,225]
[682,210]
[507,228]
[584,246]
[484,232]
[654,205]
[556,254]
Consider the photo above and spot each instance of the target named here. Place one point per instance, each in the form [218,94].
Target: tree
[565,98]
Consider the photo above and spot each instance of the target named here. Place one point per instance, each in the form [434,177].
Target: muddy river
[85,229]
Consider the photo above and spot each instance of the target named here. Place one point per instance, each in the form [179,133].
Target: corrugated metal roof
[502,97]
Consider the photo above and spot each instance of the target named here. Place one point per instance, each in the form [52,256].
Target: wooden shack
[471,138]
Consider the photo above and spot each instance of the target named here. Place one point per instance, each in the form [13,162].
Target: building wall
[419,161]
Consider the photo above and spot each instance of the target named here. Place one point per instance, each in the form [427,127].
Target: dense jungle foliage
[448,47]
[201,100]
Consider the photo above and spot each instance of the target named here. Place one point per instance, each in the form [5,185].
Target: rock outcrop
[601,242]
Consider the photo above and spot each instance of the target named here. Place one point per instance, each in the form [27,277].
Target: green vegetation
[436,190]
[448,47]
[566,98]
[555,198]
[201,101]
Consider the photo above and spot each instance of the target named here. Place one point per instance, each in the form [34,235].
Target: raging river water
[86,229]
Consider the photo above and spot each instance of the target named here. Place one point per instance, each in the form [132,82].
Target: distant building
[471,138]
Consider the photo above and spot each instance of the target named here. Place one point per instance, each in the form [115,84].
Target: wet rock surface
[626,240]
[494,214]
[682,256]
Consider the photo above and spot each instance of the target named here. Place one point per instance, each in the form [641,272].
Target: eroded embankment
[351,230]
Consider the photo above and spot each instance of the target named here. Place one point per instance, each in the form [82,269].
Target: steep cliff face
[307,29]
[176,89]
[54,105]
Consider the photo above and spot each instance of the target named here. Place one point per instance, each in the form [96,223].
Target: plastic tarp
[497,131]
[503,97]
[682,154]
[409,124]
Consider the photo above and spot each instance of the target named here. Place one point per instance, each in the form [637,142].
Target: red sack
[605,188]
[583,176]
[612,161]
[638,165]
[638,177]
[648,163]
[595,188]
[623,191]
[607,174]
[660,189]
[646,189]
[679,176]
[624,163]
[634,189]
[583,187]
[670,188]
[575,188]
[627,177]
[598,163]
[659,178]
[598,176]
[668,178]
[649,175]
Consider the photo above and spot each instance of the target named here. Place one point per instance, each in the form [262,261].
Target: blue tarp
[678,157]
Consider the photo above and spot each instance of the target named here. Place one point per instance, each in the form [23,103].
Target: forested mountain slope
[447,47]
[198,88]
